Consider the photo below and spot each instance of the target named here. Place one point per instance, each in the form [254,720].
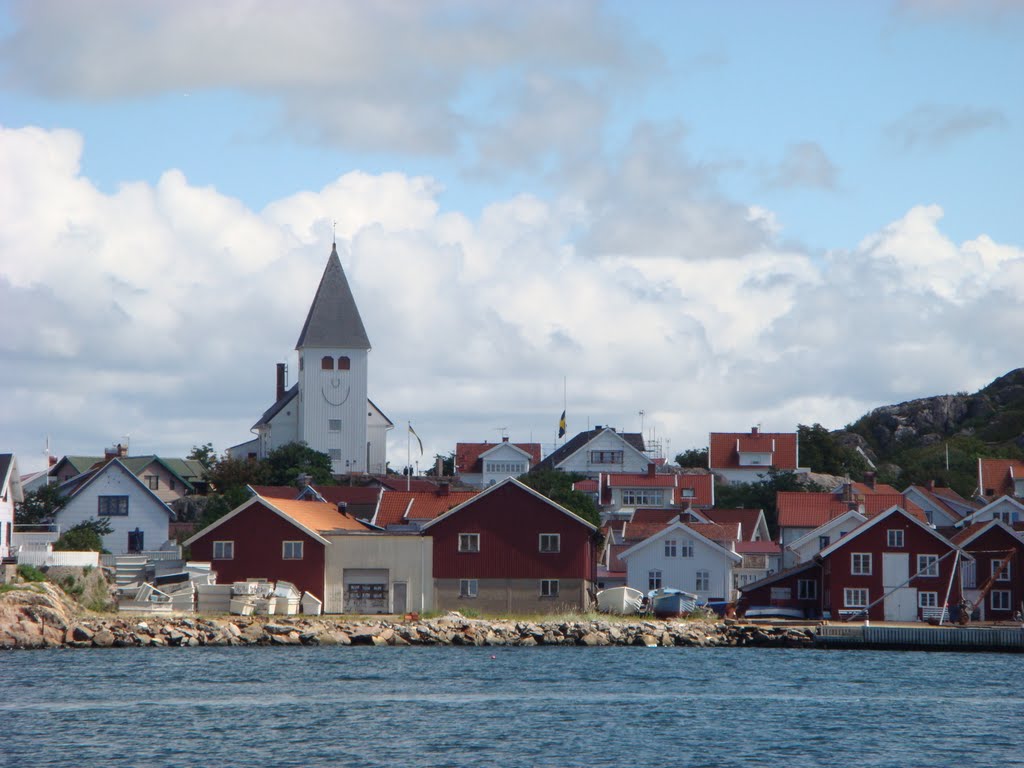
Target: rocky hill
[908,442]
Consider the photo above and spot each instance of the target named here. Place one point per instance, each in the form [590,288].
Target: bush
[30,573]
[87,536]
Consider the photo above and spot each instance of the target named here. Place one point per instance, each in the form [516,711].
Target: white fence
[43,557]
[150,555]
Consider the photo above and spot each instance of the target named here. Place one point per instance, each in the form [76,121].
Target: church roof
[333,319]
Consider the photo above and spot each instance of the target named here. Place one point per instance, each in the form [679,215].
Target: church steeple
[333,319]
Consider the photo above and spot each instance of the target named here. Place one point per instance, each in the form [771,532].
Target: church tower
[332,382]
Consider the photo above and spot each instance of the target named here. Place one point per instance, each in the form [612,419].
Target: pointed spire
[333,319]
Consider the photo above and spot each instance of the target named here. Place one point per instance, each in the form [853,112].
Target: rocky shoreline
[45,618]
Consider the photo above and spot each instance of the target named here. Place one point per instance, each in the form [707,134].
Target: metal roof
[333,320]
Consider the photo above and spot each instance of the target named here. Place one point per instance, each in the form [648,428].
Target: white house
[327,408]
[1005,508]
[943,507]
[679,557]
[811,543]
[10,494]
[601,449]
[140,520]
[482,465]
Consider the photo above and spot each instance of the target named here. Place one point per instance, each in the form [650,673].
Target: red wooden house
[273,539]
[511,549]
[994,587]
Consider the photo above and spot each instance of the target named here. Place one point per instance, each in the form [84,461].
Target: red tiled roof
[350,494]
[586,486]
[317,515]
[655,516]
[763,547]
[627,480]
[399,483]
[876,488]
[276,491]
[797,509]
[966,533]
[635,532]
[703,489]
[747,519]
[467,455]
[724,448]
[398,507]
[997,475]
[717,531]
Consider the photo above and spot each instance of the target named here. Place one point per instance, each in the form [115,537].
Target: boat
[669,603]
[773,612]
[622,600]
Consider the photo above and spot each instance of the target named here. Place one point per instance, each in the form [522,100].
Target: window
[855,598]
[927,599]
[702,582]
[927,565]
[550,542]
[823,541]
[291,550]
[643,497]
[334,453]
[686,550]
[996,565]
[549,587]
[469,542]
[344,363]
[327,363]
[654,579]
[510,467]
[1003,514]
[223,550]
[153,482]
[606,457]
[860,563]
[670,548]
[170,483]
[334,425]
[806,589]
[968,574]
[1000,600]
[689,493]
[112,506]
[468,588]
[895,538]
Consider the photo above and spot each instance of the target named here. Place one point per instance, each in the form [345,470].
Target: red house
[511,549]
[993,586]
[273,539]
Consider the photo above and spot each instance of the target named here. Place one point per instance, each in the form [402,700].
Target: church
[327,408]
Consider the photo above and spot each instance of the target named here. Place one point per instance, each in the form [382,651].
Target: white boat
[774,612]
[620,600]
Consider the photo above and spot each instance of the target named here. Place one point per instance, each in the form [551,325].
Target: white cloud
[159,311]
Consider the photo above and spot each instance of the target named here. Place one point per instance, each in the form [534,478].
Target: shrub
[31,573]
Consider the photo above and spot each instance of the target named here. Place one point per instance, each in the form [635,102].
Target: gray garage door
[366,590]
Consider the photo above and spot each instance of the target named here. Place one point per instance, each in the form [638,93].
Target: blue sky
[708,181]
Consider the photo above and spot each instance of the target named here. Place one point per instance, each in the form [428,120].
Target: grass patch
[31,573]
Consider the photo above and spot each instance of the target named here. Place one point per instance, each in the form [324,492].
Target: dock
[920,638]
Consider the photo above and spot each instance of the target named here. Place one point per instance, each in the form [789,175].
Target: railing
[44,557]
[110,561]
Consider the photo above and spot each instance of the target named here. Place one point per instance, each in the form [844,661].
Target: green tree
[557,486]
[87,536]
[204,454]
[821,452]
[39,506]
[238,473]
[286,463]
[447,465]
[693,457]
[761,495]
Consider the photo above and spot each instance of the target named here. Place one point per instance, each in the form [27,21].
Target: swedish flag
[561,425]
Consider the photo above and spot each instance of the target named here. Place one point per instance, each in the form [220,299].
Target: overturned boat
[623,600]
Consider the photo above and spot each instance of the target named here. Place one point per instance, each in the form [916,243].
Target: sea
[445,706]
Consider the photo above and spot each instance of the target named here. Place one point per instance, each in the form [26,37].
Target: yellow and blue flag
[561,425]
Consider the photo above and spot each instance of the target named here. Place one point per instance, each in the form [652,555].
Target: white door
[895,569]
[900,600]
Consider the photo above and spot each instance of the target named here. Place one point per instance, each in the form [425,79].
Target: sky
[667,217]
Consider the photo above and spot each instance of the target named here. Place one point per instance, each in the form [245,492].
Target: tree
[87,536]
[447,465]
[286,463]
[237,473]
[39,506]
[820,451]
[557,486]
[693,457]
[761,495]
[204,454]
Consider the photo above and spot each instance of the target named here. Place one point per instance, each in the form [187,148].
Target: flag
[413,433]
[561,425]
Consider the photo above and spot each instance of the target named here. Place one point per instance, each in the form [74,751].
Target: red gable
[724,448]
[467,455]
[996,476]
[399,507]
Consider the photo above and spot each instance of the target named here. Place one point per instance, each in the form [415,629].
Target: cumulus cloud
[160,310]
[934,126]
[399,76]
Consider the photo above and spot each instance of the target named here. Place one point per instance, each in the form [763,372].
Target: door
[900,600]
[400,589]
[135,540]
[366,590]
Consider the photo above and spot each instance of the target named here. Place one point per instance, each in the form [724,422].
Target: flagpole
[408,456]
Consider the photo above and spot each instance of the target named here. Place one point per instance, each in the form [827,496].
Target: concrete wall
[504,596]
[407,558]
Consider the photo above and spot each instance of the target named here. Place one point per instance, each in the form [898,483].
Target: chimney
[652,468]
[281,371]
[754,430]
[53,460]
[303,481]
[442,489]
[343,508]
[931,485]
[504,438]
[869,480]
[847,491]
[439,466]
[852,506]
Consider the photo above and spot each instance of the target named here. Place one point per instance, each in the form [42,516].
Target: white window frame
[334,425]
[292,550]
[469,542]
[702,580]
[549,587]
[654,580]
[334,454]
[861,564]
[995,563]
[894,538]
[643,497]
[227,550]
[469,589]
[856,597]
[550,543]
[116,502]
[928,566]
[806,589]
[686,548]
[1004,602]
[153,482]
[824,541]
[927,599]
[688,493]
[671,548]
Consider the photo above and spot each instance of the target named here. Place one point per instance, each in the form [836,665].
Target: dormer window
[344,364]
[327,363]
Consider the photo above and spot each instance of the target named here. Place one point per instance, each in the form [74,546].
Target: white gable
[607,451]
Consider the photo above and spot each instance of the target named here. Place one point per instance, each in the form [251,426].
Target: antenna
[334,233]
[641,414]
[502,432]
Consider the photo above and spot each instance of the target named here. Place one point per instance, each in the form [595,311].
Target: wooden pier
[921,638]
